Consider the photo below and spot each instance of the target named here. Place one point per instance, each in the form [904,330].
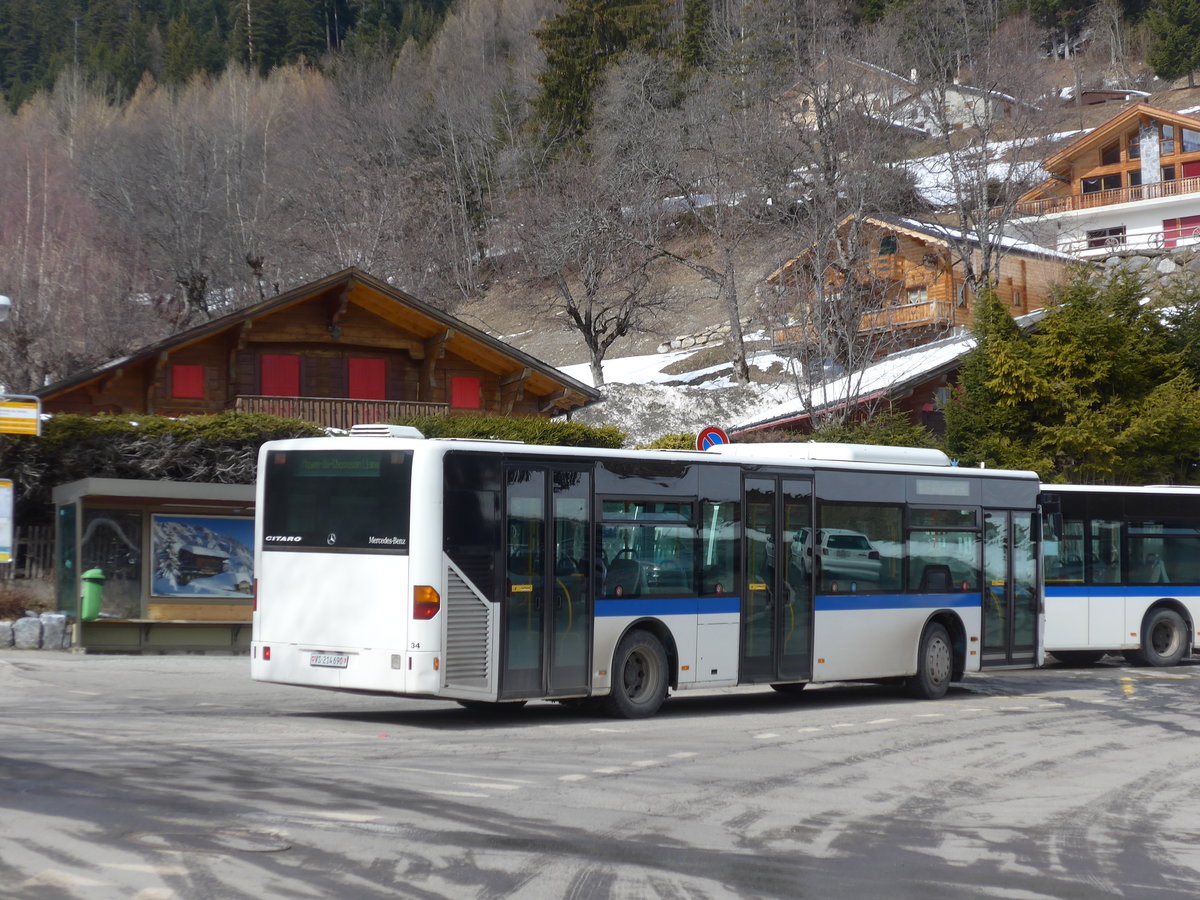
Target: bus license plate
[330,660]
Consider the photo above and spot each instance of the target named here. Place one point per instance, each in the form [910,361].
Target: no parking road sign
[710,437]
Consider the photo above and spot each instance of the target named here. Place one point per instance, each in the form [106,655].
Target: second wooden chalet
[343,350]
[1133,183]
[918,280]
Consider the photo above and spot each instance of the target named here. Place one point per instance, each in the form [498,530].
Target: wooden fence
[33,553]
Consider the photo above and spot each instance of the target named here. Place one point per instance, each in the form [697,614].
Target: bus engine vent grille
[468,632]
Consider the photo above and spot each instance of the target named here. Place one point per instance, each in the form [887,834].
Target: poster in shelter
[202,556]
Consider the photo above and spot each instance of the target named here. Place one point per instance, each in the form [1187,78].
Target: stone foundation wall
[1159,267]
[49,631]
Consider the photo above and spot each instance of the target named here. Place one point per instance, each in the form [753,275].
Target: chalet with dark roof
[343,350]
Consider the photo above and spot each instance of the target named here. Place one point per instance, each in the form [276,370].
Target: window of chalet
[1190,138]
[465,393]
[1099,183]
[1166,140]
[1181,229]
[1135,177]
[1133,145]
[366,379]
[887,245]
[279,375]
[1168,173]
[1110,155]
[1106,237]
[1017,299]
[187,382]
[918,294]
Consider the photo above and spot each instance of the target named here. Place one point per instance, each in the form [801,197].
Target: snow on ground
[646,402]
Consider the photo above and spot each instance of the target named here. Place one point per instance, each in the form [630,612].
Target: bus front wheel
[935,664]
[1164,639]
[639,676]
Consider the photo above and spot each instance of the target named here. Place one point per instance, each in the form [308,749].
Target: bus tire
[935,664]
[639,677]
[1164,638]
[1078,657]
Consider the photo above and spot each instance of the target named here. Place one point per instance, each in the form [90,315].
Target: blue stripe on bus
[840,602]
[668,606]
[1152,591]
[691,606]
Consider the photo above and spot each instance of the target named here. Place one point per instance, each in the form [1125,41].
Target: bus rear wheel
[935,664]
[639,677]
[1164,639]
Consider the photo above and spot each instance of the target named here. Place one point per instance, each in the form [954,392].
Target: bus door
[777,601]
[1010,589]
[546,632]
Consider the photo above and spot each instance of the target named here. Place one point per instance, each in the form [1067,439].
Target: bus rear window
[337,500]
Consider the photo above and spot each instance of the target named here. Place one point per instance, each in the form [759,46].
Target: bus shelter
[172,564]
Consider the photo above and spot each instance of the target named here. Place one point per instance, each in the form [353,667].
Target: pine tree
[1175,26]
[181,55]
[579,45]
[1098,393]
[693,45]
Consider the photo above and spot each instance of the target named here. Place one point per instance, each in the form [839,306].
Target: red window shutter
[280,375]
[368,379]
[464,393]
[1191,169]
[187,382]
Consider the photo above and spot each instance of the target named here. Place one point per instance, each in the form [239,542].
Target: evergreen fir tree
[1175,26]
[579,45]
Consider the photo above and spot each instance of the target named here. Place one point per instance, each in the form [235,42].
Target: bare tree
[710,161]
[847,149]
[976,96]
[70,282]
[573,229]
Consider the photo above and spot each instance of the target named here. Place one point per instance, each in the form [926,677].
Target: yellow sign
[20,414]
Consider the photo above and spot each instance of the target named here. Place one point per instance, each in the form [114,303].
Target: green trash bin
[93,593]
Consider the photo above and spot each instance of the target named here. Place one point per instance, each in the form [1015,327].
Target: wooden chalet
[919,281]
[343,350]
[1131,183]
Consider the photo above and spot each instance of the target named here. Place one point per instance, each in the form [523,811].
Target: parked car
[843,553]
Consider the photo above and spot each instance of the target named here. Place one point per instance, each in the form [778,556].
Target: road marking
[572,777]
[765,736]
[86,693]
[843,724]
[645,763]
[491,786]
[1127,686]
[685,754]
[930,716]
[880,721]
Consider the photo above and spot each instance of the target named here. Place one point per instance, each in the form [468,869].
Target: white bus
[1122,570]
[499,572]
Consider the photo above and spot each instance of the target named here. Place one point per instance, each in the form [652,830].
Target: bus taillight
[426,602]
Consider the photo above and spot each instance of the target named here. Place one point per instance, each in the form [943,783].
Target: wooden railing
[336,412]
[910,315]
[1108,198]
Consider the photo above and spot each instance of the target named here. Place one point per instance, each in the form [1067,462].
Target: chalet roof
[892,376]
[930,232]
[355,286]
[1059,163]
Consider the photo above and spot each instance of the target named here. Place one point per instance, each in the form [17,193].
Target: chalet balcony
[337,412]
[909,315]
[1097,199]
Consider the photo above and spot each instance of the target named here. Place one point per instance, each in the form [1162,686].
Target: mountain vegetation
[169,161]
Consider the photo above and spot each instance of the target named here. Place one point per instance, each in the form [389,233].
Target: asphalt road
[178,777]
